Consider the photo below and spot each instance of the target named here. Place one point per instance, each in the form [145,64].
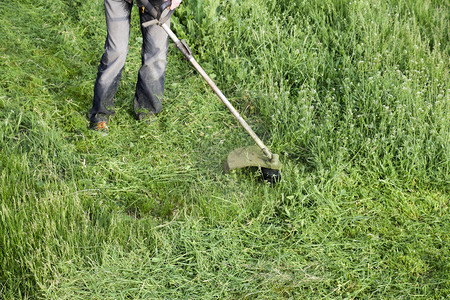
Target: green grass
[354,96]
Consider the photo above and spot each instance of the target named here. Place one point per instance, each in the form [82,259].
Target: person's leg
[151,77]
[118,13]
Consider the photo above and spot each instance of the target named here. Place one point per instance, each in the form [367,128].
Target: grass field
[353,96]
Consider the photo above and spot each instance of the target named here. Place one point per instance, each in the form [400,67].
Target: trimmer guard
[251,156]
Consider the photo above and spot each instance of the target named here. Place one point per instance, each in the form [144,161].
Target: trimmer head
[253,156]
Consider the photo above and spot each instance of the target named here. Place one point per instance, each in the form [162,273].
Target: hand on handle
[175,4]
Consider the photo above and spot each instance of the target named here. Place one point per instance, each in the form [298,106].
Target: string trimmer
[252,156]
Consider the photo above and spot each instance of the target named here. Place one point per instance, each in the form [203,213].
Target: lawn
[353,96]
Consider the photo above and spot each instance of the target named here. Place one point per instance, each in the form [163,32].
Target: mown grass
[352,95]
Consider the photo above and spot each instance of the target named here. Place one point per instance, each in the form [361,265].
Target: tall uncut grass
[353,95]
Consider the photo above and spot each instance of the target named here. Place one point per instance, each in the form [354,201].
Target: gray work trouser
[151,76]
